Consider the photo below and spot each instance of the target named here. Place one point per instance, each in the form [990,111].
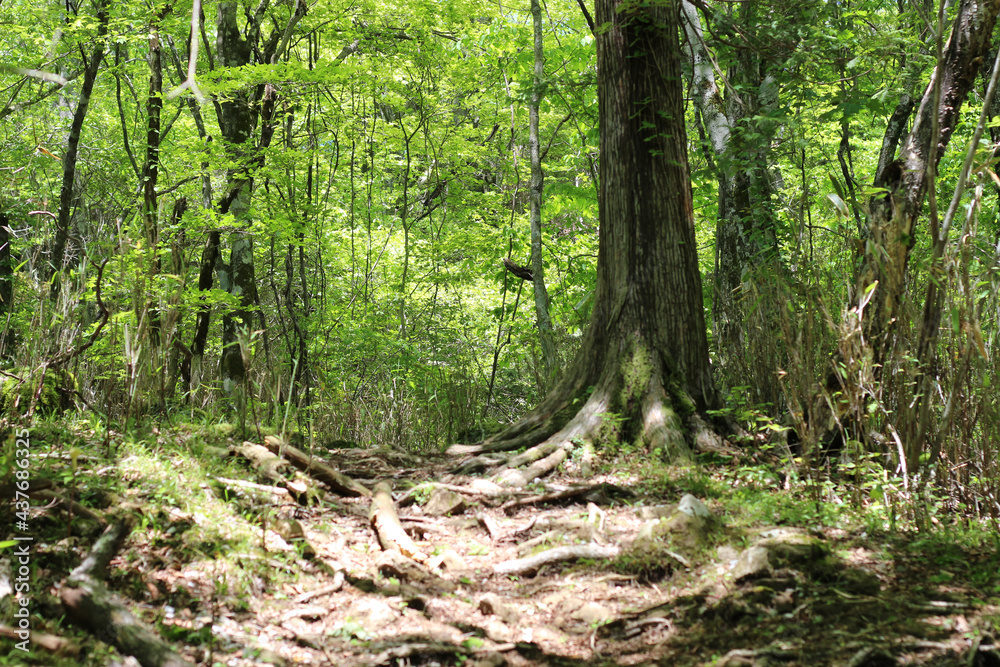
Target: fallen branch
[51,643]
[490,524]
[557,555]
[89,603]
[325,590]
[386,523]
[104,549]
[336,481]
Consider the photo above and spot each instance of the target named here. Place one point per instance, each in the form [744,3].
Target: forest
[633,332]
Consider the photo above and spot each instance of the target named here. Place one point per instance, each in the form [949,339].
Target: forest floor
[234,574]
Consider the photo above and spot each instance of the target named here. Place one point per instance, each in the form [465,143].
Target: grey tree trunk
[544,322]
[150,381]
[237,122]
[239,115]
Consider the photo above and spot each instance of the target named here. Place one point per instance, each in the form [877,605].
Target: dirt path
[324,592]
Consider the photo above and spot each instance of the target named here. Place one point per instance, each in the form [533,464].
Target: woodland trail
[320,590]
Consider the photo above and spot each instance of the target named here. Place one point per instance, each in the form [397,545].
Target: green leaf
[839,204]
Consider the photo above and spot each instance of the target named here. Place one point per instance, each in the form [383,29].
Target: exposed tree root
[522,477]
[334,480]
[632,396]
[532,454]
[557,555]
[587,492]
[263,491]
[490,524]
[478,487]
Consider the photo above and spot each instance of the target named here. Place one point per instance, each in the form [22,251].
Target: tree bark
[542,318]
[151,373]
[178,356]
[151,169]
[237,122]
[6,286]
[892,224]
[66,198]
[239,115]
[206,278]
[745,230]
[643,364]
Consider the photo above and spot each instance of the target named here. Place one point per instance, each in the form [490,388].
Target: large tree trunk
[892,224]
[237,122]
[239,115]
[643,365]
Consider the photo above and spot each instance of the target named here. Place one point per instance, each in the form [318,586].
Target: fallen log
[95,564]
[559,554]
[263,460]
[91,605]
[385,521]
[336,481]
